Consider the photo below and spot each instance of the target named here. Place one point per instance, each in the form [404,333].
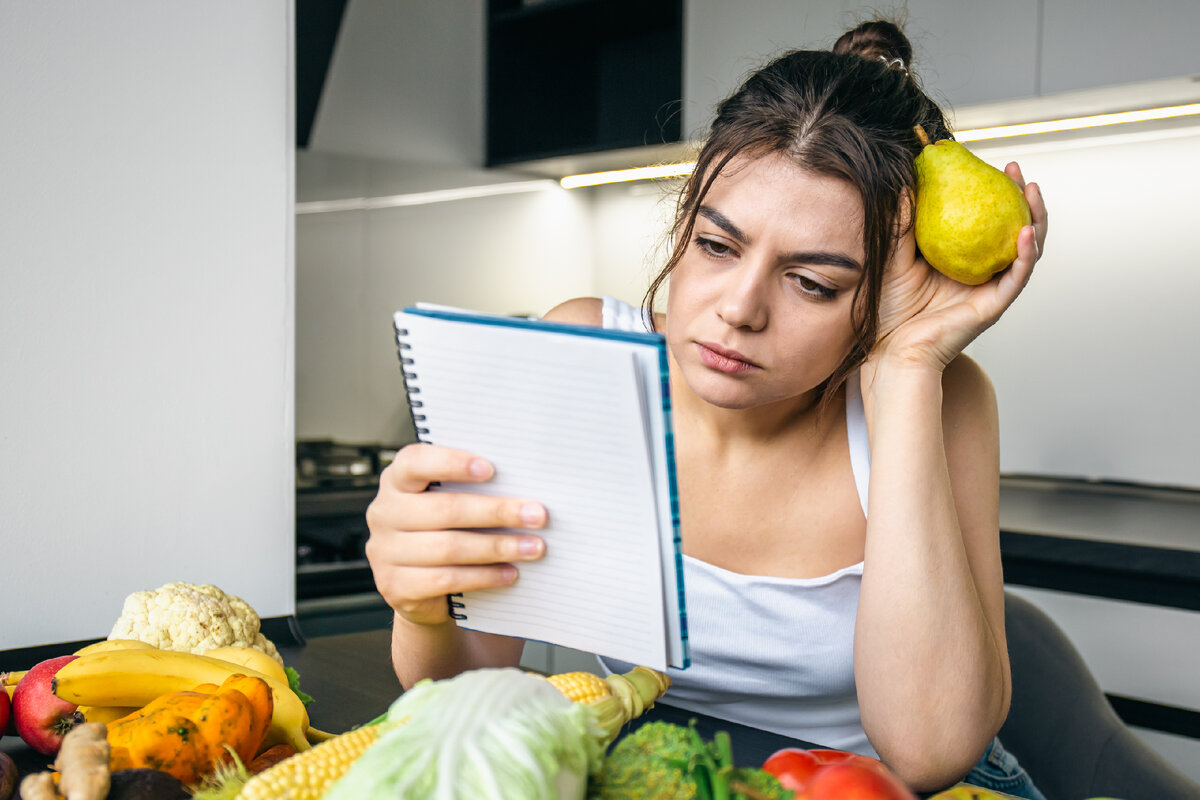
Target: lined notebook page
[563,419]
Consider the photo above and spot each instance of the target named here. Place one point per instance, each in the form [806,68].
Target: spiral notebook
[578,418]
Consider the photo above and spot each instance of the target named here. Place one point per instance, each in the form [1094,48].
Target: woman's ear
[906,216]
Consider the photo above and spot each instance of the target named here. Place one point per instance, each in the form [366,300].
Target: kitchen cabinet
[579,76]
[1111,42]
[965,52]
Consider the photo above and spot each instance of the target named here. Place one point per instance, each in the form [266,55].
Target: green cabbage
[487,733]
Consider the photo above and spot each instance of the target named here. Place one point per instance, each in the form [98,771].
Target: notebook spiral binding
[410,387]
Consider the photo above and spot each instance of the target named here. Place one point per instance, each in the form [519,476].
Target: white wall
[1095,366]
[146,312]
[510,254]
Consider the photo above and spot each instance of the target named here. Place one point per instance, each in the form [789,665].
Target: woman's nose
[742,304]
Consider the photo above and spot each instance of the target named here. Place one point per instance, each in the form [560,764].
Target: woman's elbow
[928,761]
[930,773]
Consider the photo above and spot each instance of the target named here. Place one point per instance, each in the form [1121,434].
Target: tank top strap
[618,315]
[856,434]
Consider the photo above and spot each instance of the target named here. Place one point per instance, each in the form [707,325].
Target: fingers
[447,509]
[1037,206]
[418,465]
[1027,254]
[425,545]
[1037,210]
[418,594]
[1011,281]
[453,548]
[1013,170]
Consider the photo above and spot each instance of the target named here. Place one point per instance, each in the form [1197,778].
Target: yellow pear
[968,212]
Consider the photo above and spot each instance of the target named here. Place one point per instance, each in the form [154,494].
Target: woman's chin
[723,393]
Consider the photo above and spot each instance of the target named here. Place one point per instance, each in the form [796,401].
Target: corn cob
[308,775]
[615,698]
[581,687]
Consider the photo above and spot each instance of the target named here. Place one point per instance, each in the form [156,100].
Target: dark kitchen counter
[350,676]
[1133,543]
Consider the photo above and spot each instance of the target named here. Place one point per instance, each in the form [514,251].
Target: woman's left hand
[927,318]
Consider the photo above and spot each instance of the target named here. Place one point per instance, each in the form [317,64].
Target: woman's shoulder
[578,310]
[968,394]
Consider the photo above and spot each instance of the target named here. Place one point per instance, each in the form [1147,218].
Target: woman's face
[759,309]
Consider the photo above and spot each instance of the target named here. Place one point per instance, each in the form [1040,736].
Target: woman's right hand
[425,545]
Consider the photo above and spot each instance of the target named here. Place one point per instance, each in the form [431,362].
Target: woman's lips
[730,362]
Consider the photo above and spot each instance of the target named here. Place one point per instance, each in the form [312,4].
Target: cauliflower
[191,618]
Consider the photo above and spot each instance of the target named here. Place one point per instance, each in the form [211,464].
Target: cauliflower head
[191,618]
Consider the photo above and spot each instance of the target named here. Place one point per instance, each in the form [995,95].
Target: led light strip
[974,135]
[423,198]
[1077,123]
[620,175]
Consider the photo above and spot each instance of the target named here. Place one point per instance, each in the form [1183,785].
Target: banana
[9,680]
[12,678]
[114,644]
[135,677]
[106,714]
[249,657]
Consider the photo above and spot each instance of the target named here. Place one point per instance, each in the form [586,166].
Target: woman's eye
[713,247]
[809,286]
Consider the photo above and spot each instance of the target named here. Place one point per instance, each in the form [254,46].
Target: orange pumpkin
[185,733]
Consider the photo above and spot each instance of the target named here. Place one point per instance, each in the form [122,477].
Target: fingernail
[532,514]
[508,573]
[479,468]
[529,546]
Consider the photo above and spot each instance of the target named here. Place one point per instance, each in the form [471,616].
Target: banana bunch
[113,678]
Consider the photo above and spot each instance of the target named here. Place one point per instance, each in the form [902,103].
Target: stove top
[323,464]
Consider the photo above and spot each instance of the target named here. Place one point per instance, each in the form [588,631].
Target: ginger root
[39,786]
[82,763]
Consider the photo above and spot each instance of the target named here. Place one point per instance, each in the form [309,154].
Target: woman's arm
[931,664]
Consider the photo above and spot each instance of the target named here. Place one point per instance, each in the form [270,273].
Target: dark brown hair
[848,113]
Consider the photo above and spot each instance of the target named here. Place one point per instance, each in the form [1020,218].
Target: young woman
[816,373]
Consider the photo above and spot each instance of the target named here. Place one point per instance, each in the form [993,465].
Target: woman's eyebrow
[825,259]
[723,222]
[814,257]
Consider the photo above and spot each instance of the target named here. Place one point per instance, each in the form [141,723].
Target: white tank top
[772,653]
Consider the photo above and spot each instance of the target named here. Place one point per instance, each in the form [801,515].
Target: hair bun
[877,39]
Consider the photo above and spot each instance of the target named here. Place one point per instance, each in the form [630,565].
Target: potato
[8,776]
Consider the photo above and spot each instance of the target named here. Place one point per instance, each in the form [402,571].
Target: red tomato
[854,781]
[793,766]
[843,757]
[854,776]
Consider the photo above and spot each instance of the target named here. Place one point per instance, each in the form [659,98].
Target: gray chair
[1061,727]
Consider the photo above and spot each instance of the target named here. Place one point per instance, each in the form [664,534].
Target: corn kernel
[309,775]
[581,687]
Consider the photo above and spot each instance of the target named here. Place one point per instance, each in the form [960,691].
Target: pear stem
[921,135]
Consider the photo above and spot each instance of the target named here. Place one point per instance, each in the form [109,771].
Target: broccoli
[663,761]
